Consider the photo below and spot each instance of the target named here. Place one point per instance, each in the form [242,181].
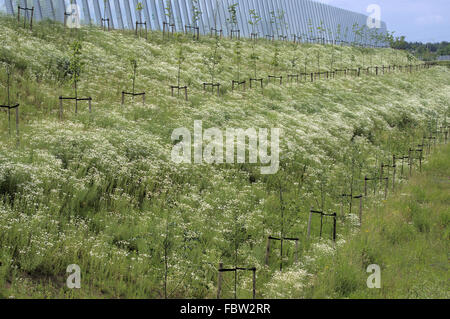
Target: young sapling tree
[274,23]
[364,36]
[139,23]
[293,62]
[311,31]
[356,32]
[321,30]
[194,28]
[238,59]
[139,8]
[214,30]
[346,35]
[254,22]
[133,62]
[238,235]
[75,69]
[353,58]
[338,38]
[168,230]
[332,60]
[360,35]
[168,25]
[340,41]
[333,48]
[275,64]
[379,40]
[283,25]
[379,44]
[8,106]
[297,38]
[238,63]
[303,37]
[330,37]
[372,35]
[364,51]
[169,243]
[233,21]
[180,58]
[409,58]
[8,68]
[282,208]
[212,61]
[283,225]
[305,70]
[318,62]
[254,58]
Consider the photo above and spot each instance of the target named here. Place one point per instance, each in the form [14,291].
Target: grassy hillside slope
[99,190]
[407,236]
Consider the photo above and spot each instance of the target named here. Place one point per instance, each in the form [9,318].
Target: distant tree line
[424,51]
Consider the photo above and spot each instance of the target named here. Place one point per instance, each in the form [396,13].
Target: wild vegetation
[99,189]
[408,236]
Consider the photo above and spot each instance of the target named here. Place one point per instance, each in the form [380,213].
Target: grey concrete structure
[280,18]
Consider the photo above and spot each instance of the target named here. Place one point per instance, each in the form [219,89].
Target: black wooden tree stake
[25,10]
[178,87]
[281,238]
[322,214]
[133,93]
[139,24]
[75,68]
[8,106]
[221,270]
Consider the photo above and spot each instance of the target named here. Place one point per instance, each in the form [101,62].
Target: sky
[418,20]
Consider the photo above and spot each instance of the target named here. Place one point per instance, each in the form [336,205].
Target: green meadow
[100,189]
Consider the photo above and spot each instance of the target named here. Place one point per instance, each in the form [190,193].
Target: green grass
[407,236]
[99,190]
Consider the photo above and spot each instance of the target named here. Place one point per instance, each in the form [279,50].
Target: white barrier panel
[300,18]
